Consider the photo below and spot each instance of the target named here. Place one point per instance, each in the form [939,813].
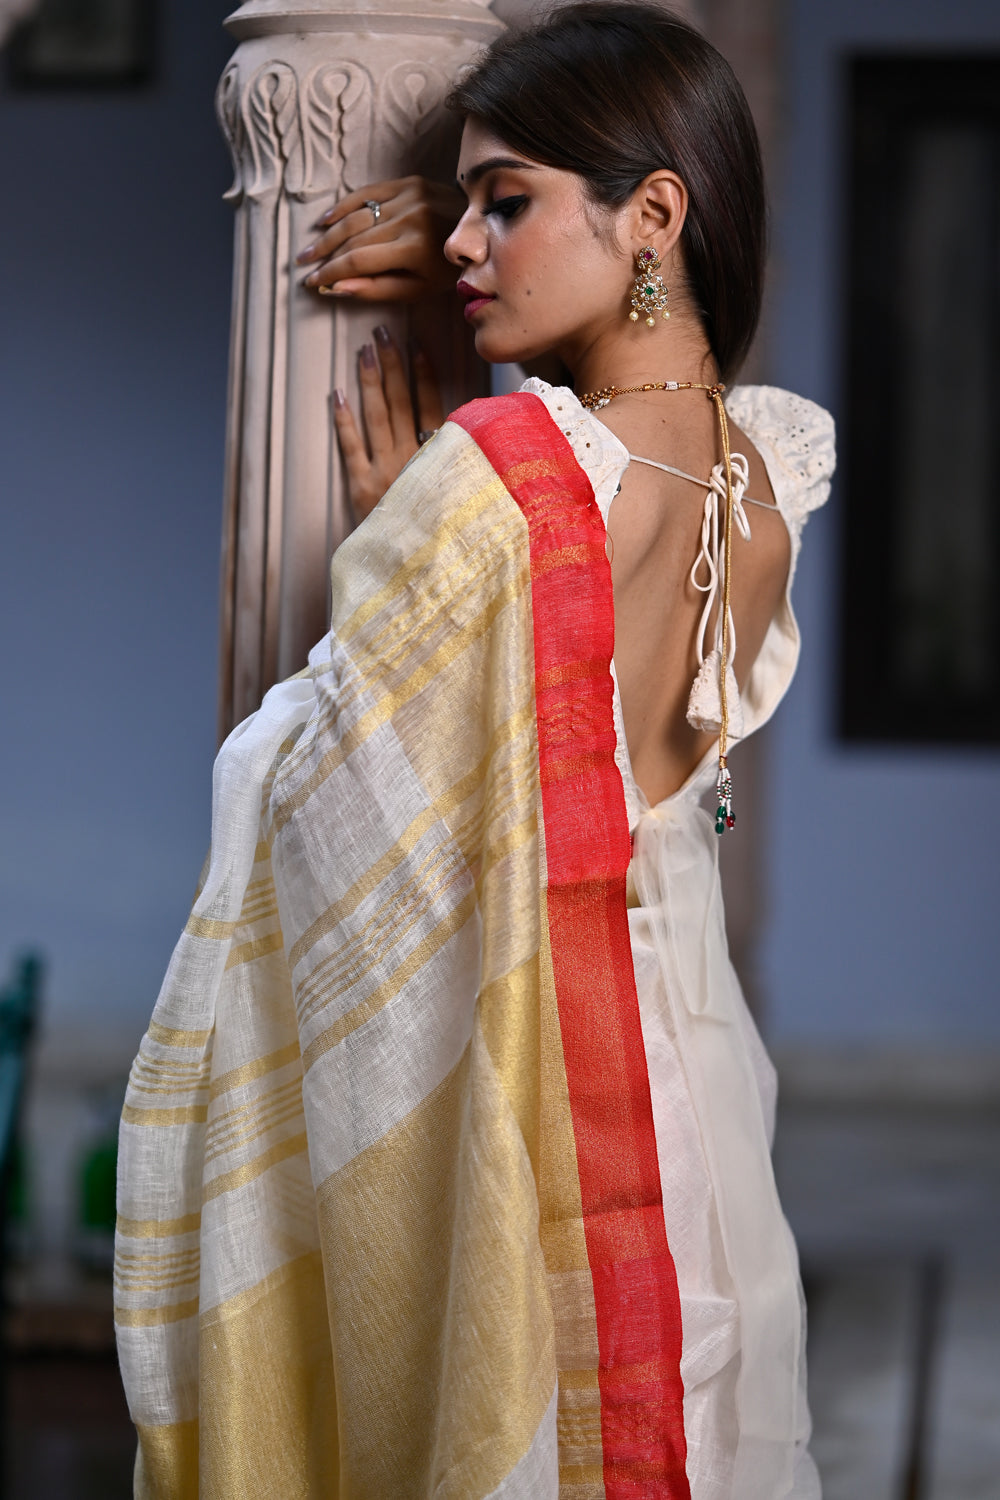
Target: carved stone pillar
[318,100]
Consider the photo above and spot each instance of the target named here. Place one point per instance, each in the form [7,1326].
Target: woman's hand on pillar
[395,423]
[394,256]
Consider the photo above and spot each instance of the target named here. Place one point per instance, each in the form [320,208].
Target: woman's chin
[496,349]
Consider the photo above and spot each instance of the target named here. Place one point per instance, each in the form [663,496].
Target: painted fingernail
[305,254]
[339,399]
[368,356]
[383,337]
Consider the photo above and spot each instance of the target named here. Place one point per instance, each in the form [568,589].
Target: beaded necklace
[594,401]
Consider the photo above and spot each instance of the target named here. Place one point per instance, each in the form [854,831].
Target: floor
[897,1213]
[897,1216]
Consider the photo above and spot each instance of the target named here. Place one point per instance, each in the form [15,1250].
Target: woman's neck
[634,354]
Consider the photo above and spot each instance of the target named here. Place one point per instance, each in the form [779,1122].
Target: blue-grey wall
[884,861]
[114,307]
[114,299]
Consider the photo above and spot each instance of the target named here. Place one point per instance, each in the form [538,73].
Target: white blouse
[712,1084]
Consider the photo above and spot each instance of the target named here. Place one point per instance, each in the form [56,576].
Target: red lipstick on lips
[474,298]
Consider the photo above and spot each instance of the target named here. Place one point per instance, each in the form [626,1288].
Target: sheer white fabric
[713,1086]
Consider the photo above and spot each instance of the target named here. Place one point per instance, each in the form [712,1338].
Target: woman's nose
[465,246]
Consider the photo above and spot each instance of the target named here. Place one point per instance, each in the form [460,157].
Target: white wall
[884,861]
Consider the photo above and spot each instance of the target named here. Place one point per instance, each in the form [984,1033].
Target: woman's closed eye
[506,208]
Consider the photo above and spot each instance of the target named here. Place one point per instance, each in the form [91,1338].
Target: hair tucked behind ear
[613,91]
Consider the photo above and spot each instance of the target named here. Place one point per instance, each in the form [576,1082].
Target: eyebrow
[491,164]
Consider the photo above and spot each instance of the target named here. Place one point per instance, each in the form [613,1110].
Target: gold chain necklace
[594,401]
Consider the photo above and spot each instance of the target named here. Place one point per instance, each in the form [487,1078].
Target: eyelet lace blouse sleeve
[796,441]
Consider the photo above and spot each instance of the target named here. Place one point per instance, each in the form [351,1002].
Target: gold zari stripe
[154,1317]
[192,1114]
[169,1036]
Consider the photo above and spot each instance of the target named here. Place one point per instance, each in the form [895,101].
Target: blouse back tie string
[594,401]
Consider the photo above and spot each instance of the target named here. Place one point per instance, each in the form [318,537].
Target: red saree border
[587,852]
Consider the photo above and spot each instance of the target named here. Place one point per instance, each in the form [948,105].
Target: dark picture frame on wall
[920,592]
[84,44]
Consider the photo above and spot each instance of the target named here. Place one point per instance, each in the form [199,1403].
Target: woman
[445,1162]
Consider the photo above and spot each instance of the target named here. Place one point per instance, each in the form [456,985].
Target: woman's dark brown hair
[613,91]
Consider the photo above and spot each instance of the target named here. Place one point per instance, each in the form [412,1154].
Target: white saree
[442,1171]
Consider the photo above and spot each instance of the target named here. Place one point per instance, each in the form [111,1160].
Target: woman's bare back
[655,527]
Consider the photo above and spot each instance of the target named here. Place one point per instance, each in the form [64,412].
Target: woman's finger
[396,389]
[376,192]
[355,224]
[373,408]
[399,287]
[390,420]
[356,460]
[367,259]
[406,241]
[351,217]
[430,409]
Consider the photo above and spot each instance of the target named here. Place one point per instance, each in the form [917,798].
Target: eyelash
[506,208]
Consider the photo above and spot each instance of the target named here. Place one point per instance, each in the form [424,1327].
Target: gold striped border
[170,1036]
[154,1317]
[582,1474]
[228,1182]
[149,1229]
[444,536]
[406,907]
[364,885]
[189,1114]
[209,927]
[129,1283]
[156,1264]
[248,953]
[405,971]
[237,1078]
[293,801]
[248,1122]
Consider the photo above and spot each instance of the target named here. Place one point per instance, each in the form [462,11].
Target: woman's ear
[660,205]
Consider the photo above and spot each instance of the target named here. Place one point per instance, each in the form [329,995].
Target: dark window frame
[890,100]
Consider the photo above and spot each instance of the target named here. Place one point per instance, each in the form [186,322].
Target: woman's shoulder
[795,438]
[799,430]
[596,449]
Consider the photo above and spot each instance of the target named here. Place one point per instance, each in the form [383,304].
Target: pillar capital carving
[276,17]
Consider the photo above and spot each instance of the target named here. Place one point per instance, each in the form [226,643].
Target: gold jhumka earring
[649,291]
